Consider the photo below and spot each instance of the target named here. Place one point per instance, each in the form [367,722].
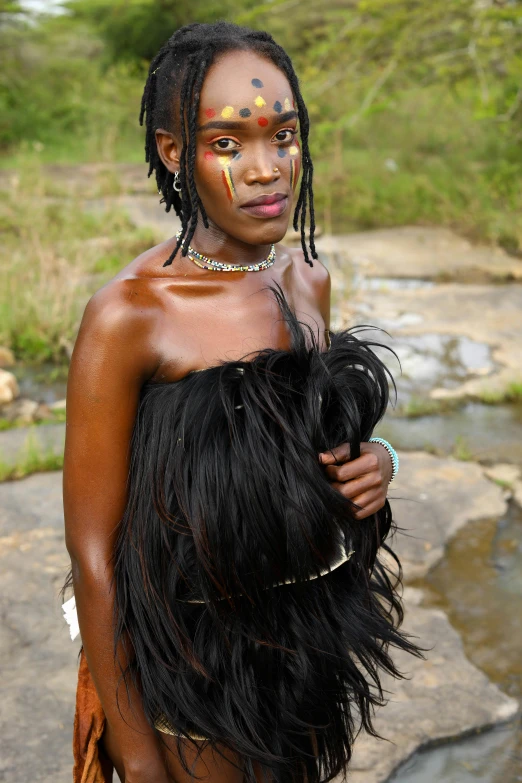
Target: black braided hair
[177,74]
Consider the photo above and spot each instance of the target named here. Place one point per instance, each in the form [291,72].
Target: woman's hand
[364,480]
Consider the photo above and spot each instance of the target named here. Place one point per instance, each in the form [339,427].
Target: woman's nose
[262,170]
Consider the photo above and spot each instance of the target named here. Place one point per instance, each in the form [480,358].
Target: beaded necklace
[204,262]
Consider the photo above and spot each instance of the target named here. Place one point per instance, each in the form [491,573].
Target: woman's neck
[214,243]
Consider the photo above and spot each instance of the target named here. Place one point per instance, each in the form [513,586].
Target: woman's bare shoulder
[314,281]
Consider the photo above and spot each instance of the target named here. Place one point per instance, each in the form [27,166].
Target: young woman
[223,505]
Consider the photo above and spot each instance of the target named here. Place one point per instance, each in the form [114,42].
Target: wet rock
[21,410]
[488,315]
[7,358]
[8,387]
[517,492]
[504,473]
[431,499]
[444,697]
[425,253]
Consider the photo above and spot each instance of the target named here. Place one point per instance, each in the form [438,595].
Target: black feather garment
[227,498]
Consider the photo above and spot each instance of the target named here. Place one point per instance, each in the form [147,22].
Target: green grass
[56,417]
[54,254]
[461,449]
[425,406]
[424,159]
[32,458]
[512,393]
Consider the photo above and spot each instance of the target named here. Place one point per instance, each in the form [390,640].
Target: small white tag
[71,617]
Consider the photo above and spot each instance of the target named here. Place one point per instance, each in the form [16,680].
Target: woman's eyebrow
[277,119]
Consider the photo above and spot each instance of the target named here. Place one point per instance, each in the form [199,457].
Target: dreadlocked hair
[176,74]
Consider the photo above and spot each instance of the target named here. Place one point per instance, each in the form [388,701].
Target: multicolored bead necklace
[210,263]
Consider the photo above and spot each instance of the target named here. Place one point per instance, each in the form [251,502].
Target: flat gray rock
[37,657]
[427,253]
[444,697]
[431,499]
[486,315]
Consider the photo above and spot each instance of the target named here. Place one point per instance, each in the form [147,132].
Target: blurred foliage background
[416,112]
[416,106]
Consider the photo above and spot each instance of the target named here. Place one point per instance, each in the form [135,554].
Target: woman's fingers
[339,453]
[363,465]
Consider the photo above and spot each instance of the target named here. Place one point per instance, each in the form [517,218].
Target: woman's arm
[112,358]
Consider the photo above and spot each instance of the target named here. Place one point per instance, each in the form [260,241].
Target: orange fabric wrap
[89,723]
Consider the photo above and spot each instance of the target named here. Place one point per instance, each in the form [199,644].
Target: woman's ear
[169,149]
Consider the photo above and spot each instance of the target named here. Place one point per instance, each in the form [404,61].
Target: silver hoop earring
[176,184]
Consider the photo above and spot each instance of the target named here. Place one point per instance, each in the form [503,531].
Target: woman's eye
[286,135]
[225,144]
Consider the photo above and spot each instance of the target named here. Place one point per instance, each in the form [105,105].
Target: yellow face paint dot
[223,160]
[287,104]
[259,101]
[293,150]
[227,112]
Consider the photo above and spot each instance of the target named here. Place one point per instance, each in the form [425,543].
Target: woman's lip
[268,210]
[268,198]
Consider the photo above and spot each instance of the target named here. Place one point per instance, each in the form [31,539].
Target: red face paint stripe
[227,186]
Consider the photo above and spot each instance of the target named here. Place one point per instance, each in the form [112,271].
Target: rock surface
[431,499]
[7,358]
[424,253]
[8,387]
[445,695]
[486,315]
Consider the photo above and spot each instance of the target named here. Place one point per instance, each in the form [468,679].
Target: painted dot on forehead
[259,101]
[210,113]
[245,112]
[281,152]
[257,83]
[263,122]
[287,104]
[278,107]
[227,112]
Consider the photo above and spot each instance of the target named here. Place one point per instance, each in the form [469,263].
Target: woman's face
[247,148]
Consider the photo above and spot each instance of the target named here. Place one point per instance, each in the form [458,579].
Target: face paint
[236,156]
[227,112]
[287,104]
[259,101]
[281,152]
[257,83]
[245,112]
[210,113]
[209,156]
[278,107]
[226,175]
[263,122]
[293,150]
[292,173]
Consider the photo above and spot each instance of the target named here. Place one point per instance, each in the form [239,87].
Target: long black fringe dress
[245,629]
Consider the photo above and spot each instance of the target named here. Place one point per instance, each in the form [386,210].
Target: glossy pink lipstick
[269,206]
